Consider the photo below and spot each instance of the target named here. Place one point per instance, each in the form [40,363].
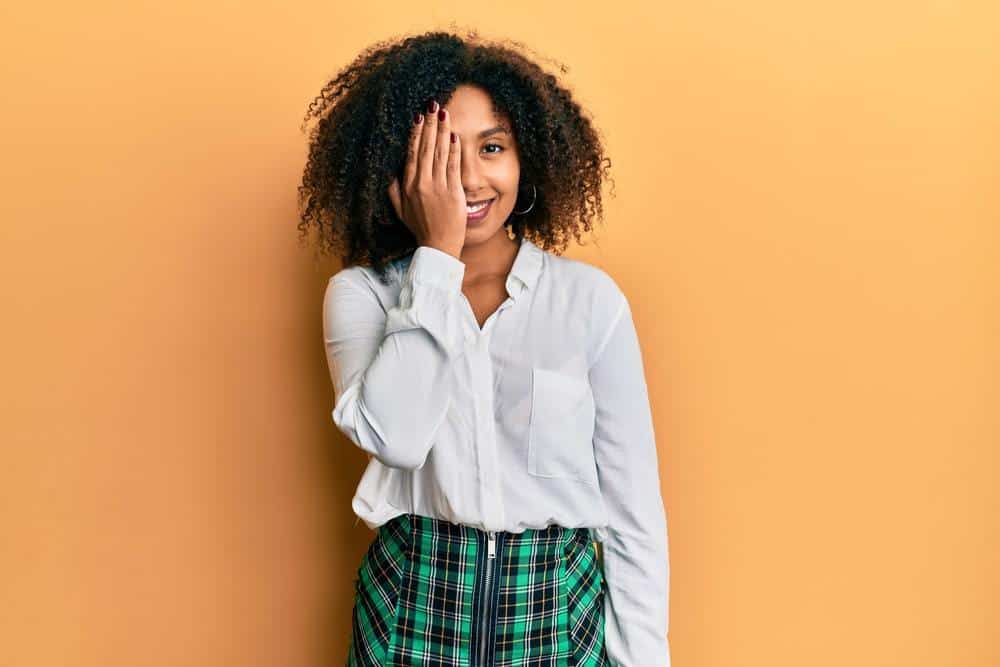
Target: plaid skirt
[431,592]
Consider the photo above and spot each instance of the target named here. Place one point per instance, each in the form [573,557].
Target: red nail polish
[442,114]
[417,117]
[453,138]
[432,106]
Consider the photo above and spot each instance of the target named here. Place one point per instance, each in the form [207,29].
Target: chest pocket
[561,427]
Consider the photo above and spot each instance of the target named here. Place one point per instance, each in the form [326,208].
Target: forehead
[471,109]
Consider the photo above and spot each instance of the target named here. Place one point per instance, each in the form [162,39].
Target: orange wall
[806,221]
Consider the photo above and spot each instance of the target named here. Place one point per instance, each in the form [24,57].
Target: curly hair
[365,114]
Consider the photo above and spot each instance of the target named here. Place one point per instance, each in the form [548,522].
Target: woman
[497,386]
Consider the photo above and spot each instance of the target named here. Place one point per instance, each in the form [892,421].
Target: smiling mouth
[477,211]
[475,207]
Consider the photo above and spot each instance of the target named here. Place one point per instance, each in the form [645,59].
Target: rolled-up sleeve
[392,370]
[634,545]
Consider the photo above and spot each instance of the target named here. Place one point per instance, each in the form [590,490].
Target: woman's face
[490,164]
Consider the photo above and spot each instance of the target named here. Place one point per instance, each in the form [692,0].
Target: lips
[481,213]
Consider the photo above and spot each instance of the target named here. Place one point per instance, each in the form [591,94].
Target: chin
[483,233]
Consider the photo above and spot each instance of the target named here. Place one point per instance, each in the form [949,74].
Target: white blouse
[540,417]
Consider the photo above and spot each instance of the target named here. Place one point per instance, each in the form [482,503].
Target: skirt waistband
[457,534]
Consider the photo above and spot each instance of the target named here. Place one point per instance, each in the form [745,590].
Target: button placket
[488,454]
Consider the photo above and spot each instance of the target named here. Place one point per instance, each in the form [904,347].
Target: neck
[490,259]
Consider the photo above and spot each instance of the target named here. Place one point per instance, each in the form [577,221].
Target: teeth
[477,207]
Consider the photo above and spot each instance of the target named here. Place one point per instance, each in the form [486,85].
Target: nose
[472,176]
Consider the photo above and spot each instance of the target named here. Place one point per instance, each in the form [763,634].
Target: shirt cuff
[430,299]
[430,266]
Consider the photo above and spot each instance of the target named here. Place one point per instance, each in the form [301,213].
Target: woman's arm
[635,554]
[392,371]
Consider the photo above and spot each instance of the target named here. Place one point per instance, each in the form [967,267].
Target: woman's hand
[432,200]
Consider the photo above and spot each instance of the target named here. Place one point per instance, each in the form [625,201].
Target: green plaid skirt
[431,592]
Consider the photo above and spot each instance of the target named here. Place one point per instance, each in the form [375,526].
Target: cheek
[510,174]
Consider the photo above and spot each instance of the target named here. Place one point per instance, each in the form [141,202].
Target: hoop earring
[534,196]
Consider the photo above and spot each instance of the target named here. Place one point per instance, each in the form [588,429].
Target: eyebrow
[493,130]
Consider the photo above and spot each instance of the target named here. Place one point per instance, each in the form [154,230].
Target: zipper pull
[492,544]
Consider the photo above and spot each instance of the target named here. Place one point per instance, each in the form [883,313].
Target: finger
[454,174]
[442,147]
[428,138]
[410,170]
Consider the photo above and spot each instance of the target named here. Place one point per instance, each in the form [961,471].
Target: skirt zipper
[488,610]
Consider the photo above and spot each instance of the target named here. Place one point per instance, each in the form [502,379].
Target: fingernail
[417,117]
[432,106]
[442,114]
[453,138]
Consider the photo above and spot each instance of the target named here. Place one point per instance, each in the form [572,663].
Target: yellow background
[805,221]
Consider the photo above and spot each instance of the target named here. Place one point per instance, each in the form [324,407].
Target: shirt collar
[527,267]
